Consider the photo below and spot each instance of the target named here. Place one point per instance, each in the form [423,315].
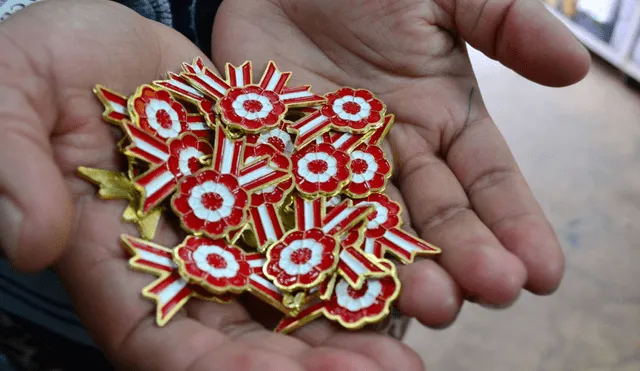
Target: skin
[454,173]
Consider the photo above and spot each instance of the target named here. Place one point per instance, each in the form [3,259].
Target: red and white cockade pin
[311,251]
[169,162]
[154,110]
[242,105]
[346,110]
[352,308]
[320,170]
[215,201]
[170,291]
[384,234]
[370,171]
[214,265]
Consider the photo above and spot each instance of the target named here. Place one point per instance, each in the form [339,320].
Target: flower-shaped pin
[211,203]
[320,169]
[157,112]
[370,171]
[302,258]
[353,110]
[356,308]
[185,153]
[311,251]
[251,108]
[214,265]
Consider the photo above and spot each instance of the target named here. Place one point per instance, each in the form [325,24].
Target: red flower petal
[373,118]
[364,94]
[181,205]
[233,94]
[286,280]
[376,105]
[278,108]
[345,92]
[328,111]
[206,106]
[253,89]
[192,222]
[307,279]
[226,105]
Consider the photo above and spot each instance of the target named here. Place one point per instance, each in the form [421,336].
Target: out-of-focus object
[624,24]
[553,3]
[601,11]
[569,7]
[597,16]
[636,53]
[610,29]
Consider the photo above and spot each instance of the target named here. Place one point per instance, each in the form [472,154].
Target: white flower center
[354,303]
[364,166]
[163,118]
[252,106]
[184,159]
[317,167]
[352,108]
[211,201]
[278,138]
[216,261]
[301,256]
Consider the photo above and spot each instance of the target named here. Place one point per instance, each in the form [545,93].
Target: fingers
[522,35]
[502,199]
[332,359]
[429,293]
[239,357]
[441,213]
[389,353]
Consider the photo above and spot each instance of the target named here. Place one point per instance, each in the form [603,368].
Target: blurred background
[579,148]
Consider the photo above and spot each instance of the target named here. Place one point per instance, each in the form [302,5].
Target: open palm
[461,186]
[456,176]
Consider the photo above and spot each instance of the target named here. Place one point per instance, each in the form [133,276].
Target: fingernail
[10,224]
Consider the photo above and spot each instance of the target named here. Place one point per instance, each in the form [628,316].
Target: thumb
[52,54]
[36,209]
[522,35]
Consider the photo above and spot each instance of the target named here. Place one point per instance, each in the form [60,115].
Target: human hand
[53,54]
[454,172]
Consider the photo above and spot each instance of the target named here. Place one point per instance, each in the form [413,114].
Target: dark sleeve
[192,18]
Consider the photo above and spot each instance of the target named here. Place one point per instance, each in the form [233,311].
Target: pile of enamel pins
[280,193]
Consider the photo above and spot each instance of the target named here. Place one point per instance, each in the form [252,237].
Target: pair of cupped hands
[454,174]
